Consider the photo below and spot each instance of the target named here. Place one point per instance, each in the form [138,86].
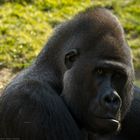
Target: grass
[25,25]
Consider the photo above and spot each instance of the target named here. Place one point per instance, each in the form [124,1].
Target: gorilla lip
[108,124]
[108,118]
[112,120]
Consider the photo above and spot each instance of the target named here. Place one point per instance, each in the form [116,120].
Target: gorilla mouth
[107,125]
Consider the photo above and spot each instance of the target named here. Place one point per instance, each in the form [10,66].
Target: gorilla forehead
[106,48]
[113,48]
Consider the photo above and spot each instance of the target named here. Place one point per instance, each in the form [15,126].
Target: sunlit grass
[25,25]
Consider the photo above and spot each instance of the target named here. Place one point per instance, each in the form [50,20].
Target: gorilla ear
[70,57]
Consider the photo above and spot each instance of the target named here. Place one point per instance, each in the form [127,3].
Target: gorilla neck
[50,73]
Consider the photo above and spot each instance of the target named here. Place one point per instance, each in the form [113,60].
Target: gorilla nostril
[111,101]
[107,99]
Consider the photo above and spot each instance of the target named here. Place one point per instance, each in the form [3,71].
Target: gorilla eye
[100,71]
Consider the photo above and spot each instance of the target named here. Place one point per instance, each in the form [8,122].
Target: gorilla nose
[111,101]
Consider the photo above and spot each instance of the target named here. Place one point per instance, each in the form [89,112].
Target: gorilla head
[97,83]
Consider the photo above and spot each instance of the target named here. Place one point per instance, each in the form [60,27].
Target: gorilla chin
[105,126]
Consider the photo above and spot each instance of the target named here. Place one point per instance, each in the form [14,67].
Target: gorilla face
[97,83]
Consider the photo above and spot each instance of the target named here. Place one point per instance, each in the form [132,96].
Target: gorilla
[80,87]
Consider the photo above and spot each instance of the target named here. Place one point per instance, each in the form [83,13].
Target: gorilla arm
[30,111]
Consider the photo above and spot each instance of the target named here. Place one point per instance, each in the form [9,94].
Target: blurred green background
[25,26]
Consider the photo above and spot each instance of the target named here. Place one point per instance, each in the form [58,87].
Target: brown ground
[5,76]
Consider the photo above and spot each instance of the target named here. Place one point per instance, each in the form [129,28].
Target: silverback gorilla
[80,87]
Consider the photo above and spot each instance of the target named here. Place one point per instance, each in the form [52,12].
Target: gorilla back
[82,79]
